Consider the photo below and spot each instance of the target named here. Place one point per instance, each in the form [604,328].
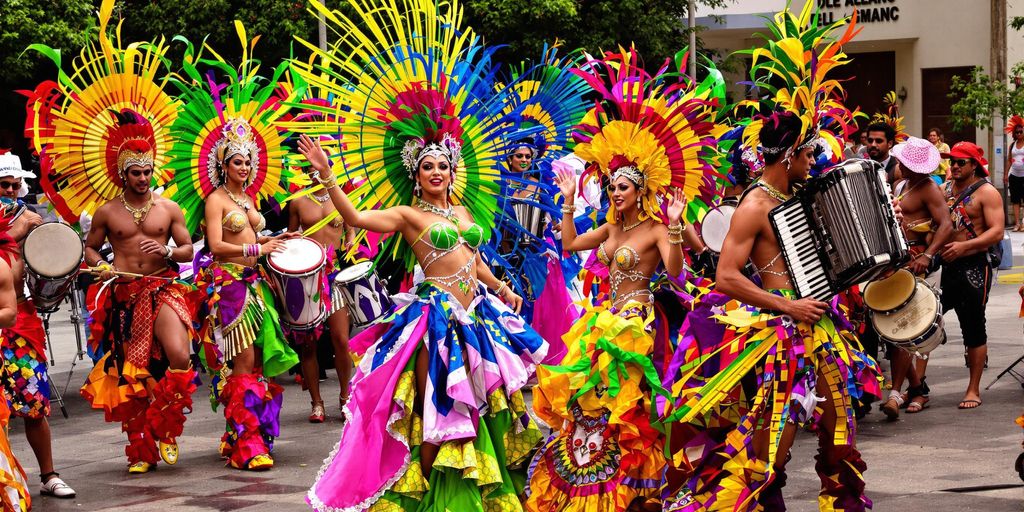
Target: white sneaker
[57,488]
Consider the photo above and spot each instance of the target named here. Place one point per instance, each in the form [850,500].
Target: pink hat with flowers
[918,155]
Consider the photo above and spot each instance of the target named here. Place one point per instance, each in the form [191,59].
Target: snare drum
[906,311]
[297,274]
[53,254]
[715,225]
[363,292]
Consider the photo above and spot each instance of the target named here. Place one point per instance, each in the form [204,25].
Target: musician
[23,346]
[143,325]
[14,493]
[928,227]
[881,138]
[976,210]
[804,345]
[303,213]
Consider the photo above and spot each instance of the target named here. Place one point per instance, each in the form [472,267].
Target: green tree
[979,97]
[56,23]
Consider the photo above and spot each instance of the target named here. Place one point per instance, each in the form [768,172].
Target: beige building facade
[913,47]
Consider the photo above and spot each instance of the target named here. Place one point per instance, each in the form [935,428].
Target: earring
[417,191]
[451,188]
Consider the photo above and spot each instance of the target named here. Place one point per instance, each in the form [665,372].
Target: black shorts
[965,286]
[1016,189]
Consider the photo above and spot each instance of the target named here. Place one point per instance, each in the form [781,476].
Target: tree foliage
[56,23]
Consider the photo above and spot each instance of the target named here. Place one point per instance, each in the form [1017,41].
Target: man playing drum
[976,209]
[303,213]
[23,346]
[927,226]
[143,325]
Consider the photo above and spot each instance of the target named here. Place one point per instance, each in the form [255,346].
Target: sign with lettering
[868,11]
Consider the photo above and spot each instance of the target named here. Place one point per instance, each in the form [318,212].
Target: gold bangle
[500,288]
[568,208]
[675,241]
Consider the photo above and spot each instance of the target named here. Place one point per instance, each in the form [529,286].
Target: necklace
[321,199]
[448,213]
[242,203]
[138,214]
[631,226]
[775,193]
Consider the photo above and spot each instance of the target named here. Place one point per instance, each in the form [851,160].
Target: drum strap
[960,199]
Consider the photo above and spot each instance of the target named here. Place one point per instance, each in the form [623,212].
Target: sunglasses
[4,185]
[960,162]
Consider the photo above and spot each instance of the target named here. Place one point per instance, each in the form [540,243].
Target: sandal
[318,415]
[918,404]
[891,407]
[969,403]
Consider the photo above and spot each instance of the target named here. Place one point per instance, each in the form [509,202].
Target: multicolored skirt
[239,313]
[604,453]
[738,370]
[24,375]
[14,490]
[479,358]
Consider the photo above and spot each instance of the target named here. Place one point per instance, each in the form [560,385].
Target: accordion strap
[962,197]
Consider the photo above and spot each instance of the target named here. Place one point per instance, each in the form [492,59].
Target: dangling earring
[417,191]
[639,203]
[451,185]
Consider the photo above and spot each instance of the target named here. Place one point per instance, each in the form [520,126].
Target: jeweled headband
[812,139]
[414,152]
[134,152]
[521,145]
[237,139]
[632,174]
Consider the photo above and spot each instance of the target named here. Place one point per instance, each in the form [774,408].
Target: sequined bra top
[236,221]
[626,259]
[443,238]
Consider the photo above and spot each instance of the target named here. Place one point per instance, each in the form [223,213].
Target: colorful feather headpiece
[652,129]
[420,86]
[220,119]
[793,66]
[90,123]
[1015,121]
[892,117]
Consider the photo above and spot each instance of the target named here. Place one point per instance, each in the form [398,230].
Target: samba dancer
[603,453]
[142,326]
[337,238]
[436,407]
[928,227]
[25,374]
[14,492]
[228,155]
[758,360]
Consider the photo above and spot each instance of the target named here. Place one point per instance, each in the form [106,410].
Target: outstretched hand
[565,179]
[676,206]
[315,155]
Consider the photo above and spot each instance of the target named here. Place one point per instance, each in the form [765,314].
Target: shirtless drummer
[143,325]
[23,346]
[303,213]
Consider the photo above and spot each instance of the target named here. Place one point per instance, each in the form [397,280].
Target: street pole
[322,26]
[692,8]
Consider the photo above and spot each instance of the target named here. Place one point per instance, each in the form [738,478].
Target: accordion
[839,230]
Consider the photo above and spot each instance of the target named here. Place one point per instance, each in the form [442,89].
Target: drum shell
[715,225]
[364,294]
[530,217]
[900,328]
[48,288]
[300,293]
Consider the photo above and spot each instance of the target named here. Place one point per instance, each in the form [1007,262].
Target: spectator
[935,137]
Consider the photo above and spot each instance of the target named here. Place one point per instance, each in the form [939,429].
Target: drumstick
[98,271]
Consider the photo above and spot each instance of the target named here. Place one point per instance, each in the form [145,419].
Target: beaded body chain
[618,275]
[463,277]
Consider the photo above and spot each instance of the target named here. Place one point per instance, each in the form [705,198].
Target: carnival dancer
[928,228]
[305,213]
[228,156]
[756,363]
[141,325]
[646,141]
[25,377]
[14,493]
[436,417]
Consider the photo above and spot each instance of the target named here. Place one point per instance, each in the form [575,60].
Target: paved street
[915,464]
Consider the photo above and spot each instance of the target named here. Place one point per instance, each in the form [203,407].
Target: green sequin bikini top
[444,238]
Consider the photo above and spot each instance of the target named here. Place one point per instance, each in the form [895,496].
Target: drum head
[715,226]
[890,293]
[354,272]
[41,256]
[299,256]
[912,320]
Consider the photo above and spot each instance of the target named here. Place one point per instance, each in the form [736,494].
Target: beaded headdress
[236,139]
[415,151]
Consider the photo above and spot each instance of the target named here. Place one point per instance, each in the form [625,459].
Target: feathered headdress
[794,66]
[652,129]
[221,119]
[9,248]
[420,86]
[892,117]
[1013,123]
[102,115]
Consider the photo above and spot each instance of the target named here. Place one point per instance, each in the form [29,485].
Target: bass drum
[916,326]
[53,254]
[715,225]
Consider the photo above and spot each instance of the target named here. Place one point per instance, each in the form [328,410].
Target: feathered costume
[217,121]
[14,488]
[108,114]
[891,117]
[738,370]
[547,101]
[604,453]
[424,86]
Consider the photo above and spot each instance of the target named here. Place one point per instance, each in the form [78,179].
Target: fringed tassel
[841,469]
[171,397]
[242,334]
